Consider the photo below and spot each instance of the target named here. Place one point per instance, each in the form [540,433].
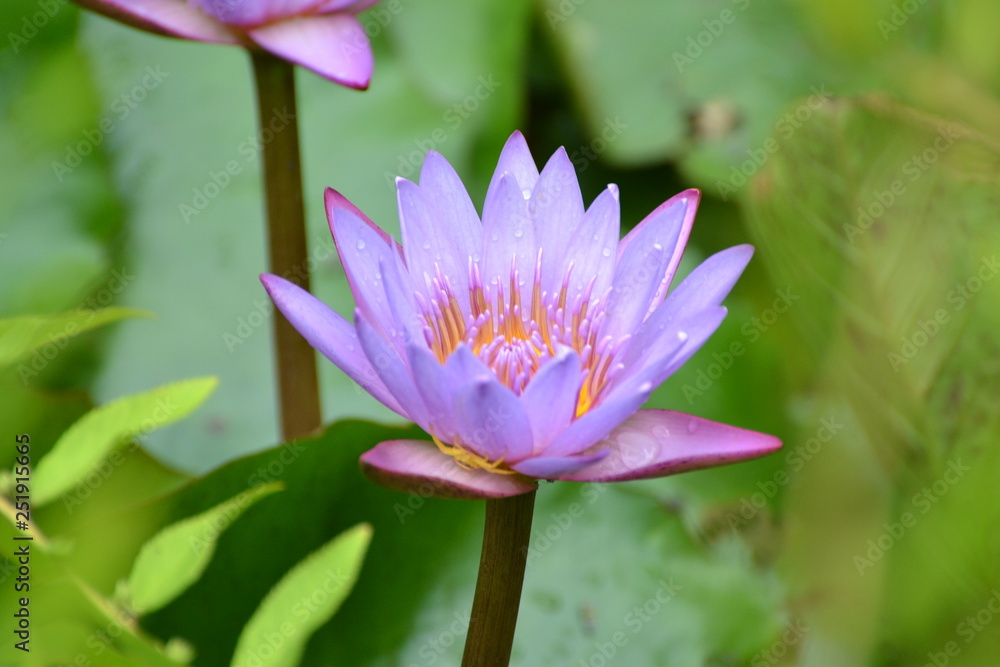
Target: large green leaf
[98,432]
[302,601]
[174,558]
[197,267]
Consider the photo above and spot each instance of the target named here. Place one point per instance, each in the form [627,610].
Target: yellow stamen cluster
[470,460]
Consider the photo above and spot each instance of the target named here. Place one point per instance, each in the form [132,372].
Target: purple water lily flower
[322,35]
[524,343]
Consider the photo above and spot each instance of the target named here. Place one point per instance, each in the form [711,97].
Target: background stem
[501,575]
[298,388]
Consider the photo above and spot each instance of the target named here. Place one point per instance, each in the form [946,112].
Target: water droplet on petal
[361,244]
[606,252]
[692,426]
[682,336]
[526,192]
[518,233]
[475,257]
[494,236]
[427,245]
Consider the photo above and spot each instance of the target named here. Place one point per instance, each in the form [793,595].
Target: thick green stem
[298,388]
[501,575]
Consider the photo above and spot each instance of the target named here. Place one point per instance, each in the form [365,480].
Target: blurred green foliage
[856,144]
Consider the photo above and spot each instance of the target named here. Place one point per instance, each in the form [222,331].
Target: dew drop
[427,245]
[682,336]
[518,233]
[526,192]
[606,252]
[692,426]
[494,236]
[475,257]
[361,244]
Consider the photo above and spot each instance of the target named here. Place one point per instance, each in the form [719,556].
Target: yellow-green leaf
[19,336]
[174,558]
[82,447]
[302,601]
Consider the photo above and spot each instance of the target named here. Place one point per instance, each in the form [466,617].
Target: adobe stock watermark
[562,12]
[773,654]
[30,25]
[219,180]
[559,523]
[287,454]
[634,621]
[901,13]
[263,309]
[795,460]
[121,107]
[921,503]
[958,297]
[453,118]
[752,329]
[915,167]
[786,126]
[374,22]
[44,355]
[697,44]
[432,649]
[967,629]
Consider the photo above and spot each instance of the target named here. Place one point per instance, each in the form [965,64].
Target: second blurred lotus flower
[322,35]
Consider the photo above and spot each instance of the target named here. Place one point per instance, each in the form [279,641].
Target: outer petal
[391,370]
[654,443]
[550,397]
[363,251]
[332,45]
[491,421]
[515,159]
[703,289]
[671,350]
[437,387]
[668,227]
[329,333]
[553,467]
[416,465]
[174,18]
[601,420]
[508,235]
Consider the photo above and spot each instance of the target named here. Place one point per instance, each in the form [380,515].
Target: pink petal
[654,443]
[174,18]
[329,333]
[247,13]
[333,45]
[418,467]
[363,250]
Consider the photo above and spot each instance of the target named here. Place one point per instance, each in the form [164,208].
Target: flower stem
[298,387]
[501,575]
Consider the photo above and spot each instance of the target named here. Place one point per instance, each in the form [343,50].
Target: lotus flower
[322,35]
[525,344]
